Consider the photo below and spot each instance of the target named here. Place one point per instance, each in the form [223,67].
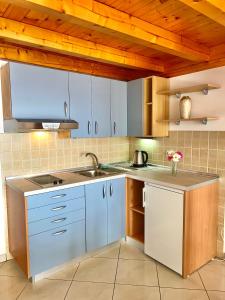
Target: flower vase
[174,168]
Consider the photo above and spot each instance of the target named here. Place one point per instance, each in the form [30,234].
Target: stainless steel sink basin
[93,173]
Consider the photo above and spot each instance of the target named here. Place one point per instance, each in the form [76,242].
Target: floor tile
[168,278]
[90,291]
[178,294]
[45,290]
[11,268]
[11,287]
[216,295]
[130,292]
[109,252]
[97,270]
[213,275]
[65,273]
[137,272]
[130,252]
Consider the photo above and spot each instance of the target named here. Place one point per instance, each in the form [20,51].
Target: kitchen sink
[106,171]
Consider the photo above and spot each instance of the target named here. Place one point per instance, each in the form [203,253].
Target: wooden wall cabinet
[177,229]
[146,109]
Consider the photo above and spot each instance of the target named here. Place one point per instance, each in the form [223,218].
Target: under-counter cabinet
[178,228]
[105,212]
[37,92]
[47,229]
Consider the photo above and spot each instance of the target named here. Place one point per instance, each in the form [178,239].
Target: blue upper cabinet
[118,108]
[80,104]
[38,92]
[116,209]
[101,107]
[96,215]
[135,111]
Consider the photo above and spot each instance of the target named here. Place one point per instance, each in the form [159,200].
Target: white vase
[185,107]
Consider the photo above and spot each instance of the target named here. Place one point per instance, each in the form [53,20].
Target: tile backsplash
[203,151]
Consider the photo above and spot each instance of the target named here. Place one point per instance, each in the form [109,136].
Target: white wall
[2,223]
[211,105]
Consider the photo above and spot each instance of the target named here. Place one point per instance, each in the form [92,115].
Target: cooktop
[46,180]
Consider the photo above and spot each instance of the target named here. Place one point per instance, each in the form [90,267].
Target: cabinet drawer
[54,197]
[54,222]
[55,209]
[54,247]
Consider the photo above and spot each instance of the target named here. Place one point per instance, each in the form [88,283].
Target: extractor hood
[26,125]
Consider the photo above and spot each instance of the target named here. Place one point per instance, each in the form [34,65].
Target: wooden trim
[6,92]
[17,228]
[213,9]
[32,36]
[200,227]
[103,18]
[52,60]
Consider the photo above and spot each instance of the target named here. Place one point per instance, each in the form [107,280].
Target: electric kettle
[140,159]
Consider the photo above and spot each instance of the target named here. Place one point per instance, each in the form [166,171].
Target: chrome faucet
[95,159]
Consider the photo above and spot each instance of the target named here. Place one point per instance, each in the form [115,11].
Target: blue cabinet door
[135,90]
[80,104]
[96,215]
[116,209]
[118,93]
[38,93]
[101,107]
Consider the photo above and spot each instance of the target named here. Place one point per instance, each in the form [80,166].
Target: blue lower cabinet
[105,213]
[116,209]
[55,247]
[96,215]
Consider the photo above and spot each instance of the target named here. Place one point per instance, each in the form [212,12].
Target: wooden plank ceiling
[113,38]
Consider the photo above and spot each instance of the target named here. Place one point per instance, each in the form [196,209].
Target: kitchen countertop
[184,180]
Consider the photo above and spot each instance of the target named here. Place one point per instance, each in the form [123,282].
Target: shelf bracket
[177,122]
[205,91]
[178,95]
[204,121]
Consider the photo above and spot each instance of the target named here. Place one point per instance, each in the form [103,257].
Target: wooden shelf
[138,237]
[203,120]
[138,209]
[204,88]
[148,103]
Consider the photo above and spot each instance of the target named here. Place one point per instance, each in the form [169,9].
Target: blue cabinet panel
[101,107]
[38,92]
[135,116]
[96,215]
[54,197]
[55,209]
[56,221]
[80,103]
[116,209]
[118,108]
[54,247]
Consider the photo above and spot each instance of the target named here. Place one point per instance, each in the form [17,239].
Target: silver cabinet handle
[104,192]
[58,208]
[111,190]
[65,109]
[143,198]
[58,220]
[96,127]
[89,127]
[59,232]
[58,196]
[114,127]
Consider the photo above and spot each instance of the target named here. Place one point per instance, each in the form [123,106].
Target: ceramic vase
[185,107]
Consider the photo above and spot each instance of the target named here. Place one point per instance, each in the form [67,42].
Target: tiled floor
[118,272]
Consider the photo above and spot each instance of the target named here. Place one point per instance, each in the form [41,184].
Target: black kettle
[140,158]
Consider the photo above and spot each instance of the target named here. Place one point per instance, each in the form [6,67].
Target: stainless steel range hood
[26,125]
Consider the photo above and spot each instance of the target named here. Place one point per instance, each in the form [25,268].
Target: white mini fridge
[164,225]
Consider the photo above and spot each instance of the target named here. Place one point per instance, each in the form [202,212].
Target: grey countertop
[184,180]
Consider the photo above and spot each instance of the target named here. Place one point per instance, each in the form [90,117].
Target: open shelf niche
[135,210]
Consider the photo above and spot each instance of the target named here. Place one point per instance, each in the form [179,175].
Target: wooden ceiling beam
[100,17]
[213,9]
[32,36]
[16,53]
